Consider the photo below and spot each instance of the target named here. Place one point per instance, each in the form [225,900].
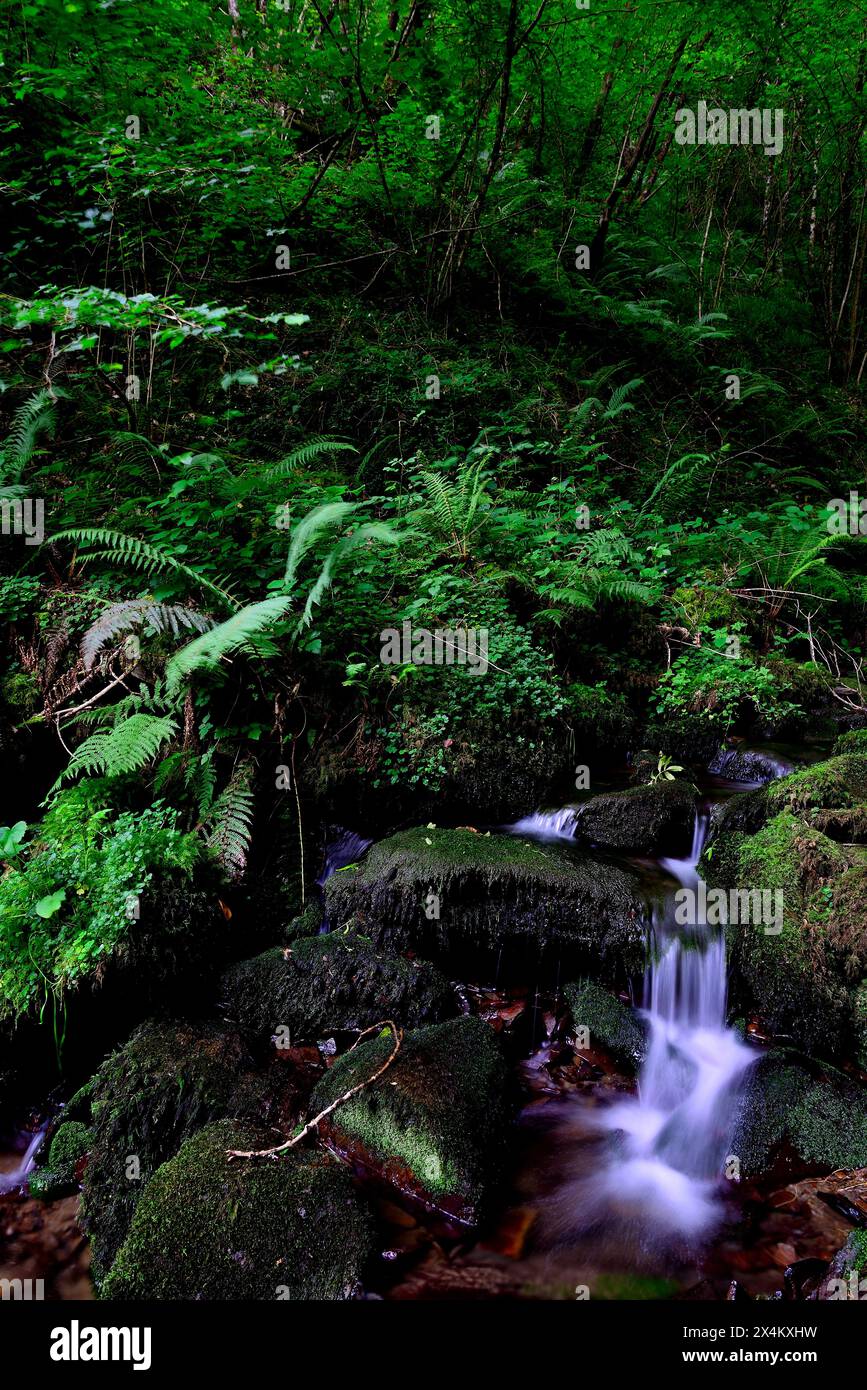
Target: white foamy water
[551,825]
[676,1133]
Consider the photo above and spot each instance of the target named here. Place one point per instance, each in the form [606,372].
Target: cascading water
[10,1181]
[676,1134]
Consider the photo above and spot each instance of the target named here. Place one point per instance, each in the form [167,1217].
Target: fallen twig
[353,1090]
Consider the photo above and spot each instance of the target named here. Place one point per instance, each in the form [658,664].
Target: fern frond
[228,830]
[128,551]
[130,745]
[306,453]
[372,531]
[206,653]
[36,416]
[140,612]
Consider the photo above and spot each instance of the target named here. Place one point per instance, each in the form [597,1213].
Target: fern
[131,613]
[229,826]
[207,652]
[454,505]
[36,416]
[305,454]
[129,746]
[122,550]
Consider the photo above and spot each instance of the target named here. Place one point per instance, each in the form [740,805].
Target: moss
[853,741]
[644,820]
[860,1025]
[308,922]
[20,693]
[166,1082]
[821,1115]
[546,907]
[837,782]
[435,1123]
[333,982]
[69,1147]
[612,1025]
[214,1229]
[855,1254]
[794,977]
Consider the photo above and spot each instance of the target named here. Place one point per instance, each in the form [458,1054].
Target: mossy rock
[308,922]
[66,1157]
[801,978]
[169,1080]
[819,1115]
[745,811]
[641,820]
[324,984]
[839,782]
[853,741]
[212,1228]
[435,1123]
[612,1025]
[505,905]
[850,1259]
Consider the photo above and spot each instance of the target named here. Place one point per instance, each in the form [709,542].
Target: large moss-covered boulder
[831,795]
[641,820]
[434,1123]
[494,904]
[792,1109]
[803,978]
[612,1025]
[169,1080]
[327,983]
[212,1228]
[67,1156]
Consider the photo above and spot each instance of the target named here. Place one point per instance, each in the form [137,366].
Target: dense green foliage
[298,345]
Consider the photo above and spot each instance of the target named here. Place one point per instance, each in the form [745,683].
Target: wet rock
[67,1157]
[214,1229]
[847,1273]
[169,1080]
[434,1124]
[748,765]
[641,820]
[800,976]
[846,1192]
[334,982]
[818,1116]
[612,1025]
[494,904]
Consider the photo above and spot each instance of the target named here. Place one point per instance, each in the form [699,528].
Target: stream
[610,1179]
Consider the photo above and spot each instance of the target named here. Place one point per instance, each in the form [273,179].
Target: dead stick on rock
[353,1090]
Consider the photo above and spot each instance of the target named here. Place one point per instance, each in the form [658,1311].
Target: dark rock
[641,820]
[502,903]
[215,1229]
[334,982]
[435,1123]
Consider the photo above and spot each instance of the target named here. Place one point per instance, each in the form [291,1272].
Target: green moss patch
[66,1157]
[210,1228]
[612,1025]
[484,902]
[435,1122]
[821,1116]
[328,983]
[166,1082]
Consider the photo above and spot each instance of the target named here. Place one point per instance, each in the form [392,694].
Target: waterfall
[676,1134]
[10,1181]
[548,825]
